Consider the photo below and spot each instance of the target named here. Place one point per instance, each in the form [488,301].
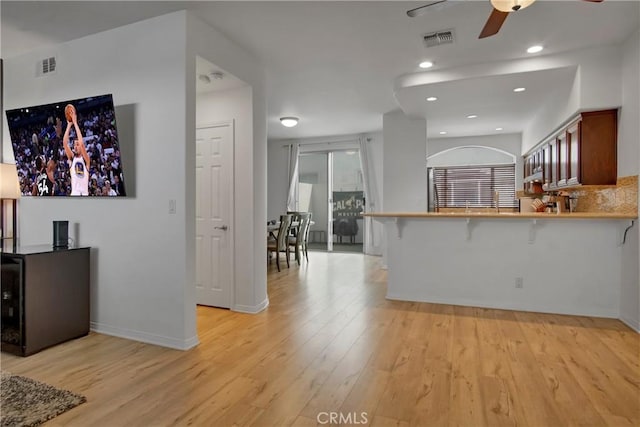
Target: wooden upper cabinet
[563,159]
[573,137]
[582,153]
[547,175]
[598,136]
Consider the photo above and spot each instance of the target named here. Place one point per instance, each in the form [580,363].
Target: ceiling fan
[501,9]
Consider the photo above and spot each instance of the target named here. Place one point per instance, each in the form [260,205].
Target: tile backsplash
[620,198]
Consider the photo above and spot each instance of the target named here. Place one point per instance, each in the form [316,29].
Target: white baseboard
[572,311]
[251,309]
[145,337]
[632,323]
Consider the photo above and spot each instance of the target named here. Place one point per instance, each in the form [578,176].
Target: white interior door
[214,209]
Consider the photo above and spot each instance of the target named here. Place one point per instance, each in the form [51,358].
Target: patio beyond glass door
[332,184]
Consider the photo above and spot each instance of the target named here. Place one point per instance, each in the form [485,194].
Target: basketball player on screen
[45,180]
[78,159]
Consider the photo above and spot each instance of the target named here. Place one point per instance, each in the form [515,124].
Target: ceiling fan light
[510,5]
[289,121]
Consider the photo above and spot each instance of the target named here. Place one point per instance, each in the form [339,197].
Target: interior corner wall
[557,109]
[596,86]
[138,262]
[404,163]
[250,164]
[629,164]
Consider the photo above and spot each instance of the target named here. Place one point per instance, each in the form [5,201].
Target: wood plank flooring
[330,342]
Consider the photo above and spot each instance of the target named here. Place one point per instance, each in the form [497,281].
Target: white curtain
[370,191]
[294,156]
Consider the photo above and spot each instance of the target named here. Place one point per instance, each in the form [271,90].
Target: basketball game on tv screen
[69,148]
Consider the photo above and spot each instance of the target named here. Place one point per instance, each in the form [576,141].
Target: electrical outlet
[172,206]
[519,283]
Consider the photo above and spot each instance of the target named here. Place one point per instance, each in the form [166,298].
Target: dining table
[274,226]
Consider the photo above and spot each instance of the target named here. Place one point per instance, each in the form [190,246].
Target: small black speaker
[60,234]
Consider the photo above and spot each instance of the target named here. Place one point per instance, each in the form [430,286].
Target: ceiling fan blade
[422,9]
[495,21]
[594,1]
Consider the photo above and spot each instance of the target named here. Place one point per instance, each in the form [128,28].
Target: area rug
[25,402]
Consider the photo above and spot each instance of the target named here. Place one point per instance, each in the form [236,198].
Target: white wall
[629,164]
[143,262]
[596,86]
[570,267]
[404,163]
[475,154]
[138,262]
[277,179]
[250,161]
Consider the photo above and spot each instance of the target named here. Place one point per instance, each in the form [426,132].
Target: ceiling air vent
[438,38]
[48,65]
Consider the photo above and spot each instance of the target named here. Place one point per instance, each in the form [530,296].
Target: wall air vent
[438,38]
[47,66]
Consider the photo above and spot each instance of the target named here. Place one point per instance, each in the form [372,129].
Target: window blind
[474,186]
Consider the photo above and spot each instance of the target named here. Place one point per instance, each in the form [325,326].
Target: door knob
[224,227]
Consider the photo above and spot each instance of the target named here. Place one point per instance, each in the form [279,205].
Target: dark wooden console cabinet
[45,297]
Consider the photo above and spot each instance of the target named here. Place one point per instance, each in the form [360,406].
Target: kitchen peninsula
[554,263]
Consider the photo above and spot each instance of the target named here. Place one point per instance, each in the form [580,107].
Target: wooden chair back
[283,232]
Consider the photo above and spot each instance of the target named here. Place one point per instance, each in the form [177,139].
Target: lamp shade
[510,5]
[9,183]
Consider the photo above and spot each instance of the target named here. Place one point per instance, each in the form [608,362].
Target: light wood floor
[330,342]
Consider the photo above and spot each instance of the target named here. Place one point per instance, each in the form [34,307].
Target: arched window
[470,176]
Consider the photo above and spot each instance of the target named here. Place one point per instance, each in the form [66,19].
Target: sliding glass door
[332,183]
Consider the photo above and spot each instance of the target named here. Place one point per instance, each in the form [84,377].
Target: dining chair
[306,237]
[295,222]
[281,243]
[298,241]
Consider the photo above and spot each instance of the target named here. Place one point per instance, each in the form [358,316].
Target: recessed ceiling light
[471,116]
[498,128]
[443,133]
[432,98]
[535,49]
[519,89]
[426,64]
[289,121]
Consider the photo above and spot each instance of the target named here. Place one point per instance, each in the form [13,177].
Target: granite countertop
[506,215]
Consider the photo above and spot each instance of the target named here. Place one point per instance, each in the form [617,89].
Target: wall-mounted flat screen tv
[69,148]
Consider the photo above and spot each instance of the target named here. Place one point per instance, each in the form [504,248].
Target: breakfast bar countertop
[510,215]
